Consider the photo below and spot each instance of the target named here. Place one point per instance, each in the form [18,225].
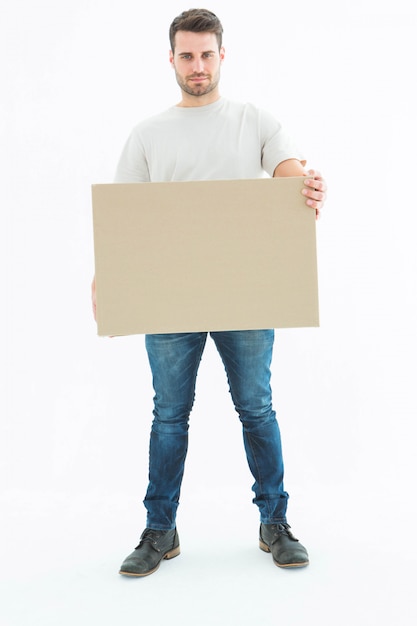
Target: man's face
[196,61]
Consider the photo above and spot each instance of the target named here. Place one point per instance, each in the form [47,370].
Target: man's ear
[171,58]
[222,52]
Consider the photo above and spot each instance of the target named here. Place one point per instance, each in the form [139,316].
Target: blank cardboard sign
[204,256]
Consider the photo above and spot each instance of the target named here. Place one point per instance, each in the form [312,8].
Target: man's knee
[257,418]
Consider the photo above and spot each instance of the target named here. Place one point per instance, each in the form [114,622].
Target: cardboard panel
[206,255]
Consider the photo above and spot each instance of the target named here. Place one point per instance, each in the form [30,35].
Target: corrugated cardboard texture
[201,256]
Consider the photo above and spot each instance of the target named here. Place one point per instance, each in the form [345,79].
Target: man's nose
[198,66]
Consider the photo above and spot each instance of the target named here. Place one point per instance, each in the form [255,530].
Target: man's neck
[189,100]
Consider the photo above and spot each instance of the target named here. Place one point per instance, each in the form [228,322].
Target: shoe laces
[283,529]
[150,536]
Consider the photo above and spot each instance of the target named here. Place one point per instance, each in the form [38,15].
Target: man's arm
[315,187]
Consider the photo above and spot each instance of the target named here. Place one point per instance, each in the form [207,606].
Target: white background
[76,76]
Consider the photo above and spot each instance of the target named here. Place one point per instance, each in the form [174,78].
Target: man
[208,137]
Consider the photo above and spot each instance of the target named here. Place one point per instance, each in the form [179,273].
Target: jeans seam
[259,480]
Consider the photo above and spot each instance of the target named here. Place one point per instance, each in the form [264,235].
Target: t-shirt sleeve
[277,145]
[132,166]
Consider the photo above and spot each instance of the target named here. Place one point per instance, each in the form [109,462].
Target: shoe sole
[263,546]
[169,555]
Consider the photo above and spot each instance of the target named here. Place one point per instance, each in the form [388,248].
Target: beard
[199,89]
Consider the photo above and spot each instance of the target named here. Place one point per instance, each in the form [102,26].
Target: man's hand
[93,296]
[315,186]
[315,191]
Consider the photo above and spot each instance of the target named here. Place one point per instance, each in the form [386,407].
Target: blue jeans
[174,361]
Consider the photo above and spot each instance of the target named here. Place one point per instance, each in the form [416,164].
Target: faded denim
[174,361]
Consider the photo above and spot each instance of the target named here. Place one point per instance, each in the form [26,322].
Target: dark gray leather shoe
[154,546]
[286,550]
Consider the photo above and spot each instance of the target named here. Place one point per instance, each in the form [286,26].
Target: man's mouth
[198,79]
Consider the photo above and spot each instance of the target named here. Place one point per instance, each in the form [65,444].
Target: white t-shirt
[222,140]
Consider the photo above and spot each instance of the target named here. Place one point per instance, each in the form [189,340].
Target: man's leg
[247,358]
[174,361]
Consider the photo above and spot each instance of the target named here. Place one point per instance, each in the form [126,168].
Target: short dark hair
[196,21]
